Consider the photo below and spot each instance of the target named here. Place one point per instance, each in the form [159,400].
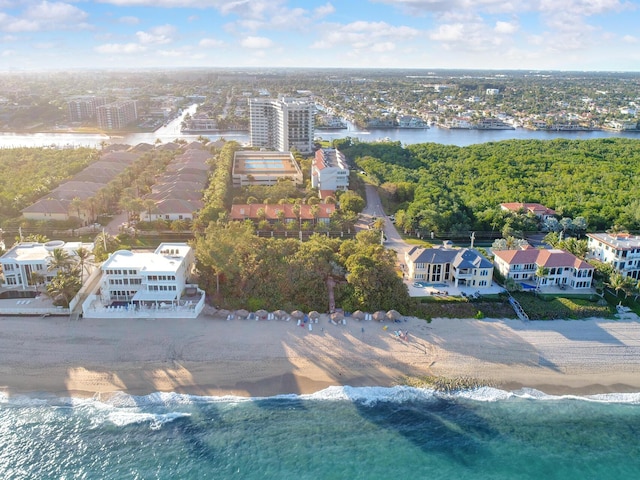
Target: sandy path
[210,356]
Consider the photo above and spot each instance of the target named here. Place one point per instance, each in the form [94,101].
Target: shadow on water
[440,426]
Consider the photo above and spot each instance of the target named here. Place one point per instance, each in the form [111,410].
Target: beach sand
[212,356]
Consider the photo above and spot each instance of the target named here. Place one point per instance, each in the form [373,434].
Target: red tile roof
[542,258]
[534,208]
[250,211]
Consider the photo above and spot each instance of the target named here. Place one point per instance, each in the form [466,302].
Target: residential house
[463,267]
[177,195]
[148,284]
[540,211]
[620,250]
[25,258]
[561,268]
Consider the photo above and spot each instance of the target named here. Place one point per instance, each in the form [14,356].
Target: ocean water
[338,433]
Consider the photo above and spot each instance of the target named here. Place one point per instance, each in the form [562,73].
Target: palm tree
[178,226]
[541,272]
[83,255]
[149,205]
[77,204]
[60,260]
[315,210]
[63,288]
[296,211]
[37,278]
[616,281]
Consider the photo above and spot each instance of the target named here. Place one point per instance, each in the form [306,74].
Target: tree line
[457,189]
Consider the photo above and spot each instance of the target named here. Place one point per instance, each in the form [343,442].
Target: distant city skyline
[591,35]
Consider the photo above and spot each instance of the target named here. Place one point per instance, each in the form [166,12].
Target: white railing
[93,308]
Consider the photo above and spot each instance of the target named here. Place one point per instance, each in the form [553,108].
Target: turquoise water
[341,432]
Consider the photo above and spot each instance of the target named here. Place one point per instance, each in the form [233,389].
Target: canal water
[171,132]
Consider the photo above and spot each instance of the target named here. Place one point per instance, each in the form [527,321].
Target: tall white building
[284,124]
[117,115]
[84,108]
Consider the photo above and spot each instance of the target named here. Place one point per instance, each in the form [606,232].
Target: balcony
[463,273]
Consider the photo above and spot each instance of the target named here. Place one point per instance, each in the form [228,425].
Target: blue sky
[495,34]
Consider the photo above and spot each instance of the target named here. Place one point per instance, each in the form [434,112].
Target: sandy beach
[212,356]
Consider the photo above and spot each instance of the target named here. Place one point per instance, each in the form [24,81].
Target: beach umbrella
[314,314]
[262,314]
[242,313]
[280,313]
[393,315]
[379,315]
[337,316]
[358,314]
[297,314]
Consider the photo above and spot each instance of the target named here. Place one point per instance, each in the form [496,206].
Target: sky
[590,35]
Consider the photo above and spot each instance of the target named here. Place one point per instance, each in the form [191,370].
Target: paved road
[374,209]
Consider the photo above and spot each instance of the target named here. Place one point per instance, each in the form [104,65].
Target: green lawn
[551,307]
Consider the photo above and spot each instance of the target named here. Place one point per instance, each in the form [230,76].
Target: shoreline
[209,356]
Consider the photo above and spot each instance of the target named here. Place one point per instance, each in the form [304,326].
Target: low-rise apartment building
[329,170]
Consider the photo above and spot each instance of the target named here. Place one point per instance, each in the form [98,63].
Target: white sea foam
[364,395]
[156,420]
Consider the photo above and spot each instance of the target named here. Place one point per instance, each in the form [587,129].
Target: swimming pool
[251,164]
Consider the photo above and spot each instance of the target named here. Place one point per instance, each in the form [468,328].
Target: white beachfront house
[620,250]
[24,259]
[147,284]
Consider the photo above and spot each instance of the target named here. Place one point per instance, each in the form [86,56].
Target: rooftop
[621,241]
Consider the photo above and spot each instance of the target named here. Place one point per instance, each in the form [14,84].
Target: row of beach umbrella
[379,316]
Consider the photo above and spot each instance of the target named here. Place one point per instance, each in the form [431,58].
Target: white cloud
[383,47]
[9,38]
[363,35]
[323,10]
[243,8]
[44,45]
[8,53]
[56,12]
[172,53]
[256,42]
[630,39]
[157,36]
[126,48]
[449,33]
[45,16]
[210,43]
[505,27]
[129,20]
[471,36]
